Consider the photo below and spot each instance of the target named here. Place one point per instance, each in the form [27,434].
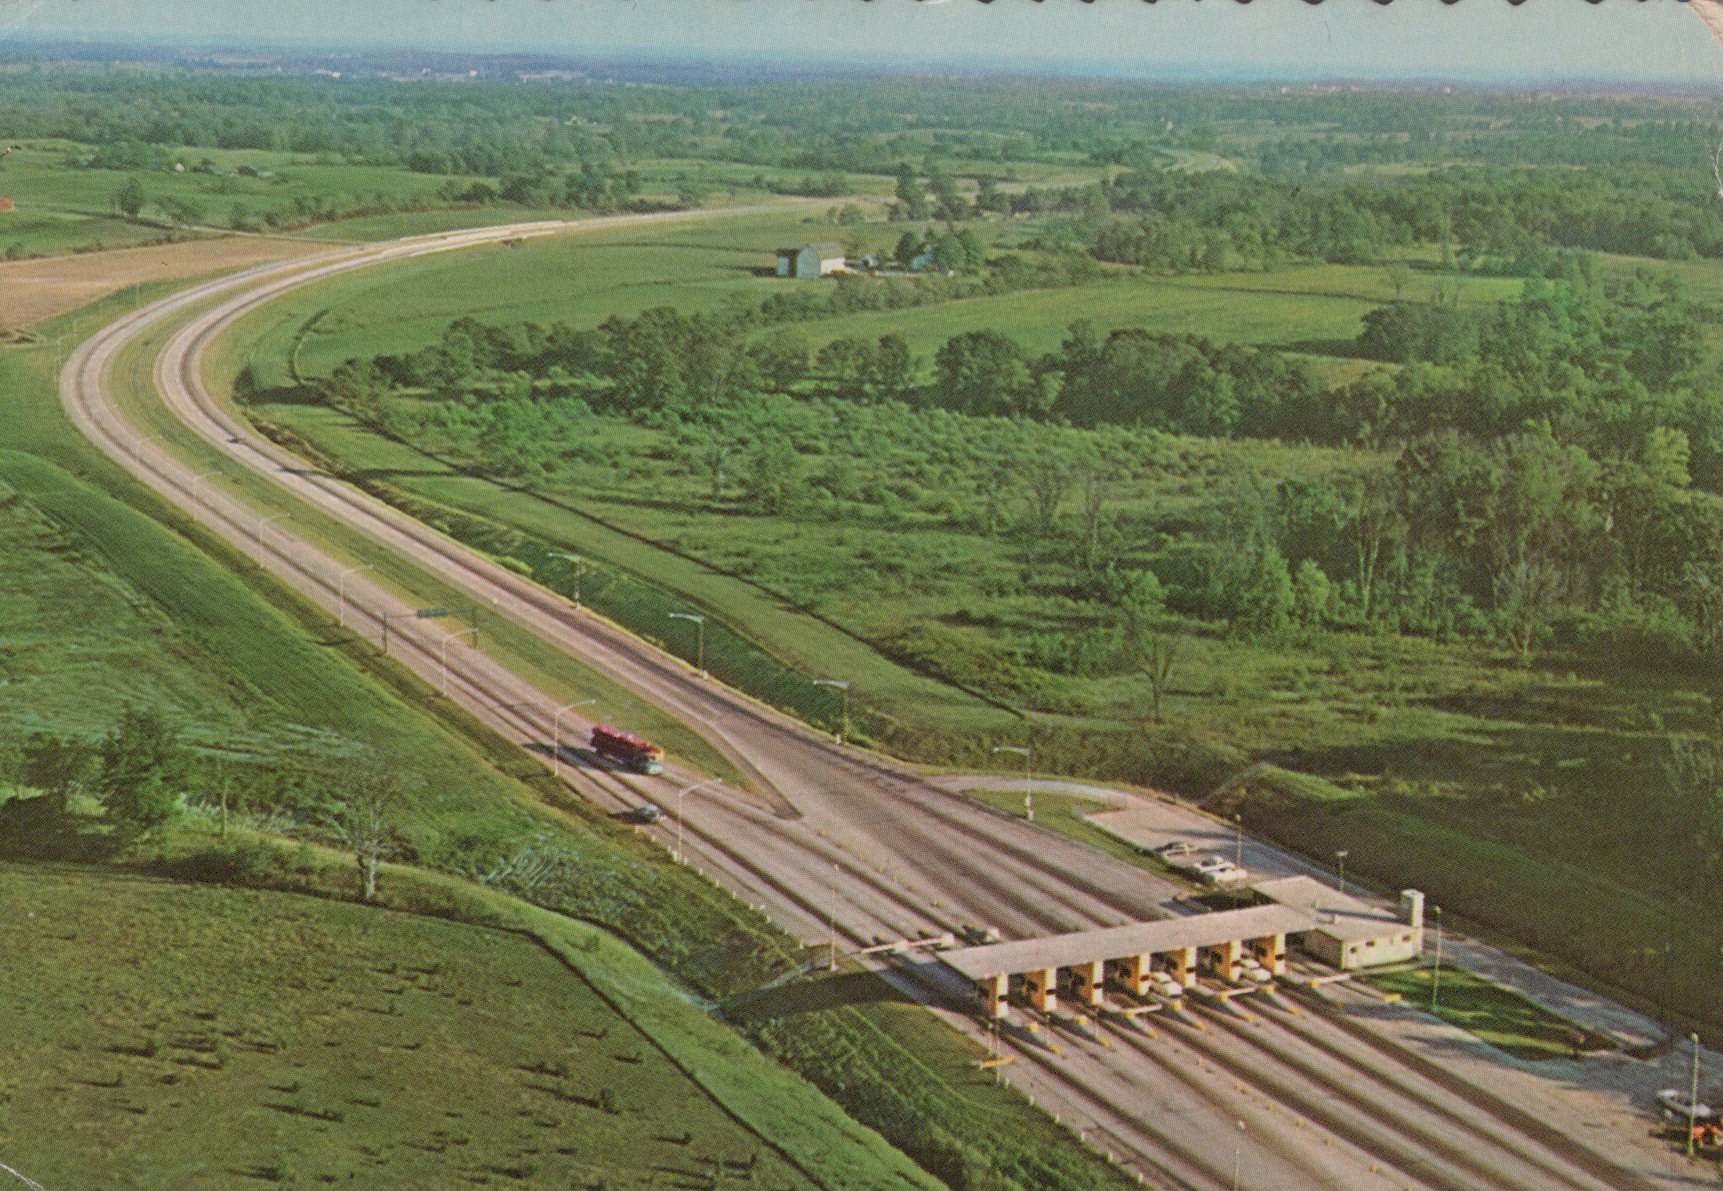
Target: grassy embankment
[1499,788]
[322,1041]
[917,1081]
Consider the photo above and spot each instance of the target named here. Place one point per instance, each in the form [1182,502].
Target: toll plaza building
[1343,931]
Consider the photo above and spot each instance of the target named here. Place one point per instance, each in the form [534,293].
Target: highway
[1290,1099]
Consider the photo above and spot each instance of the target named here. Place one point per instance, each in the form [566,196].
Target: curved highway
[836,844]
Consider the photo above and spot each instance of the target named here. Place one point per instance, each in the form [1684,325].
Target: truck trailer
[613,744]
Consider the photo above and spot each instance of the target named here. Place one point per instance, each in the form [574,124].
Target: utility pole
[579,570]
[341,583]
[267,522]
[700,625]
[834,965]
[840,684]
[443,653]
[1436,978]
[1693,1096]
[680,795]
[1028,784]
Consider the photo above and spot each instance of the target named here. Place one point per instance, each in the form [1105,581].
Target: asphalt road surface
[1302,1092]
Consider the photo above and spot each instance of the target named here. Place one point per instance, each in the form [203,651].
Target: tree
[774,477]
[44,825]
[129,199]
[357,386]
[362,817]
[1047,481]
[783,360]
[845,363]
[143,769]
[1150,646]
[984,372]
[891,372]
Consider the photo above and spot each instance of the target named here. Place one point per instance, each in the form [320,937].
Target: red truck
[613,744]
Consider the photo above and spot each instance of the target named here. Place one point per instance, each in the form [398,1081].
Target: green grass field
[60,206]
[323,1042]
[1506,1020]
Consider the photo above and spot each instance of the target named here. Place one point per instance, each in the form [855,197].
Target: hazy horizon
[1414,41]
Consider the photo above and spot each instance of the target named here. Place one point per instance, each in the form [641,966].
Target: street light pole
[1238,841]
[556,733]
[834,918]
[1237,1154]
[341,583]
[267,522]
[680,795]
[1028,784]
[840,684]
[700,624]
[1436,979]
[579,570]
[1693,1096]
[443,653]
[1341,857]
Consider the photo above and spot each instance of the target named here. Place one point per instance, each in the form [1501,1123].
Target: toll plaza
[1141,958]
[1132,958]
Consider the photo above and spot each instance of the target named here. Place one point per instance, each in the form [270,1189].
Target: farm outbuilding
[810,260]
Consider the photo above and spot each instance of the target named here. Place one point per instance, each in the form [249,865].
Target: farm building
[810,260]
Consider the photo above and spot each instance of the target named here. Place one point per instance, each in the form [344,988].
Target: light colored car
[1225,873]
[649,813]
[1167,987]
[1675,1105]
[1208,864]
[1175,849]
[1256,973]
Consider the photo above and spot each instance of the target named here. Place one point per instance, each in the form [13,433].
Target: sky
[1657,41]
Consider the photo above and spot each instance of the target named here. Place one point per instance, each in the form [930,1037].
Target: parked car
[1208,864]
[1225,873]
[1169,988]
[649,813]
[1675,1106]
[1175,849]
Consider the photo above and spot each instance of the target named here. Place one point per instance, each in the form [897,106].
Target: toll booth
[1133,974]
[1270,952]
[1181,965]
[1221,960]
[1041,988]
[1086,981]
[1078,964]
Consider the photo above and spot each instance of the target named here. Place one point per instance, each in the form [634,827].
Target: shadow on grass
[816,994]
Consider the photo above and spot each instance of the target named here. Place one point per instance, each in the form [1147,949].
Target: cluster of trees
[591,186]
[1507,537]
[1607,363]
[1490,220]
[78,798]
[135,776]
